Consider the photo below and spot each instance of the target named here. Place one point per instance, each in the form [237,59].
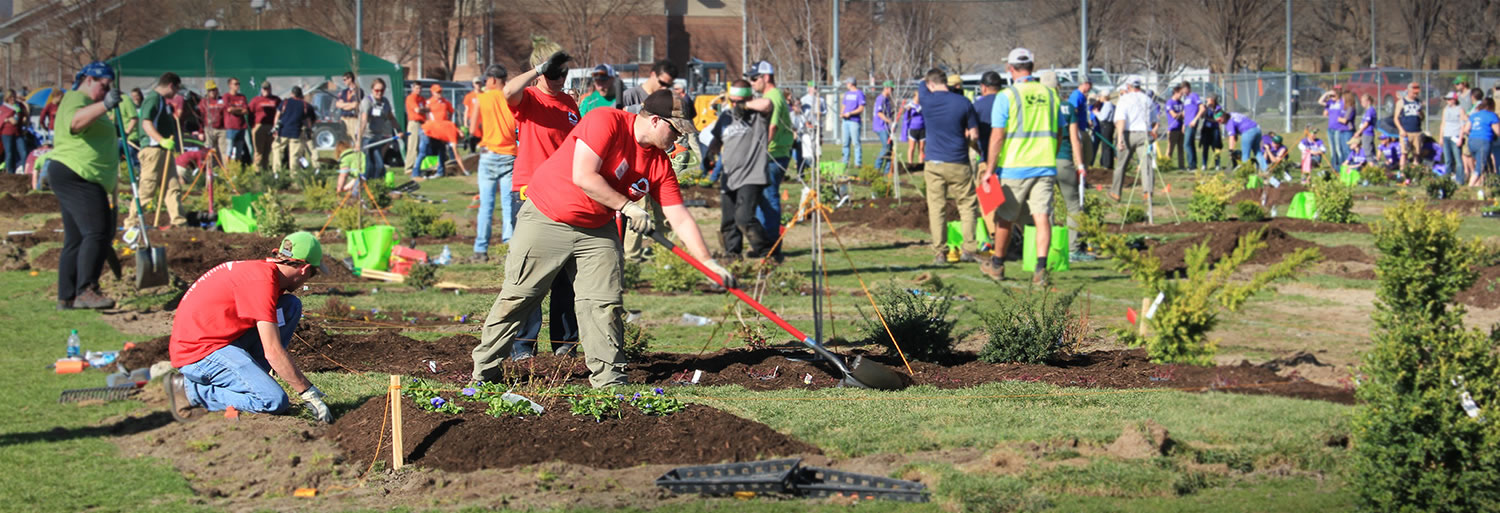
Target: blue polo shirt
[1080,103]
[982,108]
[947,115]
[1001,119]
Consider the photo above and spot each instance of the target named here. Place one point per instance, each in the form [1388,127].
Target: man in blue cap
[603,94]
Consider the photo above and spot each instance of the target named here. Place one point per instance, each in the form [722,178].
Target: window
[645,48]
[463,52]
[479,50]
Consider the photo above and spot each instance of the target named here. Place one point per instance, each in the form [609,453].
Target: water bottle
[73,344]
[445,257]
[696,320]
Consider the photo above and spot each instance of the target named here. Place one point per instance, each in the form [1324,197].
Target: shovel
[862,373]
[150,262]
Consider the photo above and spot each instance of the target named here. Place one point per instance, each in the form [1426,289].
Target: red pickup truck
[1383,84]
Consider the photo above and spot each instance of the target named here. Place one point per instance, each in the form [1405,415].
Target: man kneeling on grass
[610,160]
[231,331]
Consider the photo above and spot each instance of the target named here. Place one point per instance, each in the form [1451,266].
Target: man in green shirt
[762,78]
[604,90]
[129,109]
[160,123]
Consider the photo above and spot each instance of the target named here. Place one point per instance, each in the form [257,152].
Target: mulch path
[1485,293]
[473,440]
[1224,238]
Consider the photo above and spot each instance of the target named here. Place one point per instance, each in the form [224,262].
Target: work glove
[638,219]
[554,66]
[523,192]
[168,143]
[312,398]
[111,99]
[724,275]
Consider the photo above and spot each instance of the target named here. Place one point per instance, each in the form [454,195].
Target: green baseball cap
[811,83]
[1460,80]
[302,246]
[888,84]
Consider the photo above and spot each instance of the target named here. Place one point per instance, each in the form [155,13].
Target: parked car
[1383,84]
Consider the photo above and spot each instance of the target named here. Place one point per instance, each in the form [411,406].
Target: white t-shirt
[1135,110]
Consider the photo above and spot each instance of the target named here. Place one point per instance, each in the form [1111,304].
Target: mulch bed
[886,213]
[763,369]
[1462,207]
[1275,196]
[15,184]
[474,440]
[19,204]
[1485,293]
[1284,223]
[192,252]
[1223,239]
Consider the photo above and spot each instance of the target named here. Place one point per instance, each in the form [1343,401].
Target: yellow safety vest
[1030,139]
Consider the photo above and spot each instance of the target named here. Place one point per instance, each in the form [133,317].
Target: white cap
[760,68]
[1136,82]
[1020,56]
[850,80]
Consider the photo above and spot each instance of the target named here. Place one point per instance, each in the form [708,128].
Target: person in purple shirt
[853,106]
[885,118]
[1313,151]
[1244,133]
[1339,131]
[1273,152]
[916,129]
[1366,129]
[1391,151]
[1176,117]
[1191,104]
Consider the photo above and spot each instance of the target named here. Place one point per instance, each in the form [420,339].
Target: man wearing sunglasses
[663,73]
[612,159]
[231,331]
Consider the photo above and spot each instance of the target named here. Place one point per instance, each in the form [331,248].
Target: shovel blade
[868,374]
[151,268]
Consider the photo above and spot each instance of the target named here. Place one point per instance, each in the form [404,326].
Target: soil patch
[15,184]
[192,252]
[1284,223]
[22,204]
[708,195]
[1223,239]
[1105,176]
[474,440]
[886,213]
[1485,293]
[1274,196]
[1462,207]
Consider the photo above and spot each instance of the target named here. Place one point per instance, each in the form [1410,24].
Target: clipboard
[989,201]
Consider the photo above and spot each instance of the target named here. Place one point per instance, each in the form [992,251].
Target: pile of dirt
[21,204]
[1462,207]
[1284,223]
[708,195]
[1280,197]
[15,184]
[143,354]
[886,213]
[1099,176]
[1485,293]
[192,252]
[474,440]
[1223,239]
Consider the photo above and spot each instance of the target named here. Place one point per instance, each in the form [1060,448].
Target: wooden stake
[1141,321]
[398,460]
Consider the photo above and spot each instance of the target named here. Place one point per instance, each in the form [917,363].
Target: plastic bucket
[1304,206]
[1057,253]
[956,235]
[370,248]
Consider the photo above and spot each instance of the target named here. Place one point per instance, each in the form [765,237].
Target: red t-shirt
[439,108]
[231,120]
[544,121]
[219,307]
[213,111]
[442,130]
[8,125]
[628,167]
[264,108]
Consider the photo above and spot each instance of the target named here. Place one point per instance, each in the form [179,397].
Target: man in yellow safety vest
[1023,148]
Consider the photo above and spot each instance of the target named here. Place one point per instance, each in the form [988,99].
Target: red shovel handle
[662,239]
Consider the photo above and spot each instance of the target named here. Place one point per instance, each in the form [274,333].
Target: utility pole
[1288,126]
[744,36]
[833,63]
[1083,42]
[359,25]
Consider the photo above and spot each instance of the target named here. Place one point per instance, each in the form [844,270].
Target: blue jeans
[1338,145]
[15,153]
[375,159]
[238,374]
[768,211]
[233,136]
[494,174]
[1453,160]
[883,162]
[1250,148]
[1480,149]
[1189,146]
[851,138]
[427,146]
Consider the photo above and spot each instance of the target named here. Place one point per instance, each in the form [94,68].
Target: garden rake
[862,373]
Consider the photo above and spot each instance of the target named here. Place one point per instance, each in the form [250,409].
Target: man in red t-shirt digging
[611,159]
[231,331]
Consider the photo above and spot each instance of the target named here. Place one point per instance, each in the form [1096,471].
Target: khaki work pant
[955,181]
[157,169]
[211,138]
[1067,183]
[260,138]
[635,243]
[1134,145]
[290,147]
[351,130]
[540,250]
[413,139]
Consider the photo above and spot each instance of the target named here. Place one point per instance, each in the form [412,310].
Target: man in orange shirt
[416,114]
[490,115]
[471,115]
[438,109]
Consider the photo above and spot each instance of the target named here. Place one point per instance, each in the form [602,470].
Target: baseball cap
[812,83]
[671,107]
[436,88]
[1453,95]
[760,68]
[1136,82]
[604,69]
[1276,138]
[265,86]
[888,84]
[850,80]
[302,246]
[955,80]
[1020,56]
[210,85]
[1460,80]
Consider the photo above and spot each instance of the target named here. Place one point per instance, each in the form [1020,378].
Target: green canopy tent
[286,58]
